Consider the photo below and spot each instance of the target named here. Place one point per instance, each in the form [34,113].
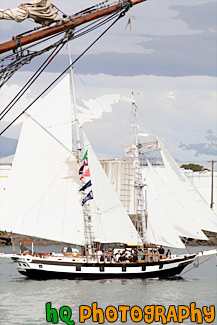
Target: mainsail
[42,198]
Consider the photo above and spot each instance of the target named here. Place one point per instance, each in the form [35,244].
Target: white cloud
[143,134]
[94,108]
[180,110]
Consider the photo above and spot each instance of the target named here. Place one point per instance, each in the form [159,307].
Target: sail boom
[76,21]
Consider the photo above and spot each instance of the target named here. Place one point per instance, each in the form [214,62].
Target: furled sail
[41,11]
[111,222]
[42,198]
[187,193]
[176,213]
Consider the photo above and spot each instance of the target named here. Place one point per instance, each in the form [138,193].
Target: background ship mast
[141,214]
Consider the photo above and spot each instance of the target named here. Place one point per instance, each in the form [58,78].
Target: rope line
[23,56]
[195,266]
[51,56]
[51,84]
[30,82]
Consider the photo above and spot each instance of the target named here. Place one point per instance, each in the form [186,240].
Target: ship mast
[73,21]
[77,146]
[78,150]
[141,214]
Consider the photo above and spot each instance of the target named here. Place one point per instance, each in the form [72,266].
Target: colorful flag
[85,163]
[86,186]
[88,197]
[85,174]
[85,155]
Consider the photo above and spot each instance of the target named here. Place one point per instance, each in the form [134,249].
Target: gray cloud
[171,56]
[200,16]
[207,148]
[211,137]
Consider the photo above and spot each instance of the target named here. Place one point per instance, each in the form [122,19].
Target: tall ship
[59,191]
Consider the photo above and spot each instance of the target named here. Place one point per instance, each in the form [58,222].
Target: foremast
[141,202]
[88,234]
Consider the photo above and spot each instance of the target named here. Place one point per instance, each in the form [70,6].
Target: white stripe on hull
[28,266]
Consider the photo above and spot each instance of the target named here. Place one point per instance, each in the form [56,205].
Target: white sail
[159,229]
[42,197]
[111,222]
[194,203]
[54,114]
[173,208]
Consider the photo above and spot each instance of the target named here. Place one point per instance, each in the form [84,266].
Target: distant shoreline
[5,240]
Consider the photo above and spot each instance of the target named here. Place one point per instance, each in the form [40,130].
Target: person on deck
[24,250]
[135,256]
[161,252]
[122,257]
[117,256]
[107,256]
[69,249]
[102,257]
[111,255]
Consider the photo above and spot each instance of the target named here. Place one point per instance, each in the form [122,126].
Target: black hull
[46,275]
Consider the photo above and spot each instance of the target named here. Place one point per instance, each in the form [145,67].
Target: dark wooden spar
[76,21]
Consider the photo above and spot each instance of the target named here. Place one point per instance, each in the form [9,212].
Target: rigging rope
[19,59]
[24,55]
[194,266]
[31,81]
[122,13]
[62,41]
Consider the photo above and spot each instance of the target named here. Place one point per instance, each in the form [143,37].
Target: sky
[166,56]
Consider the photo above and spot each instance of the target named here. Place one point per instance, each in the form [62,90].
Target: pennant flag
[86,186]
[85,163]
[128,24]
[85,155]
[81,170]
[85,174]
[88,197]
